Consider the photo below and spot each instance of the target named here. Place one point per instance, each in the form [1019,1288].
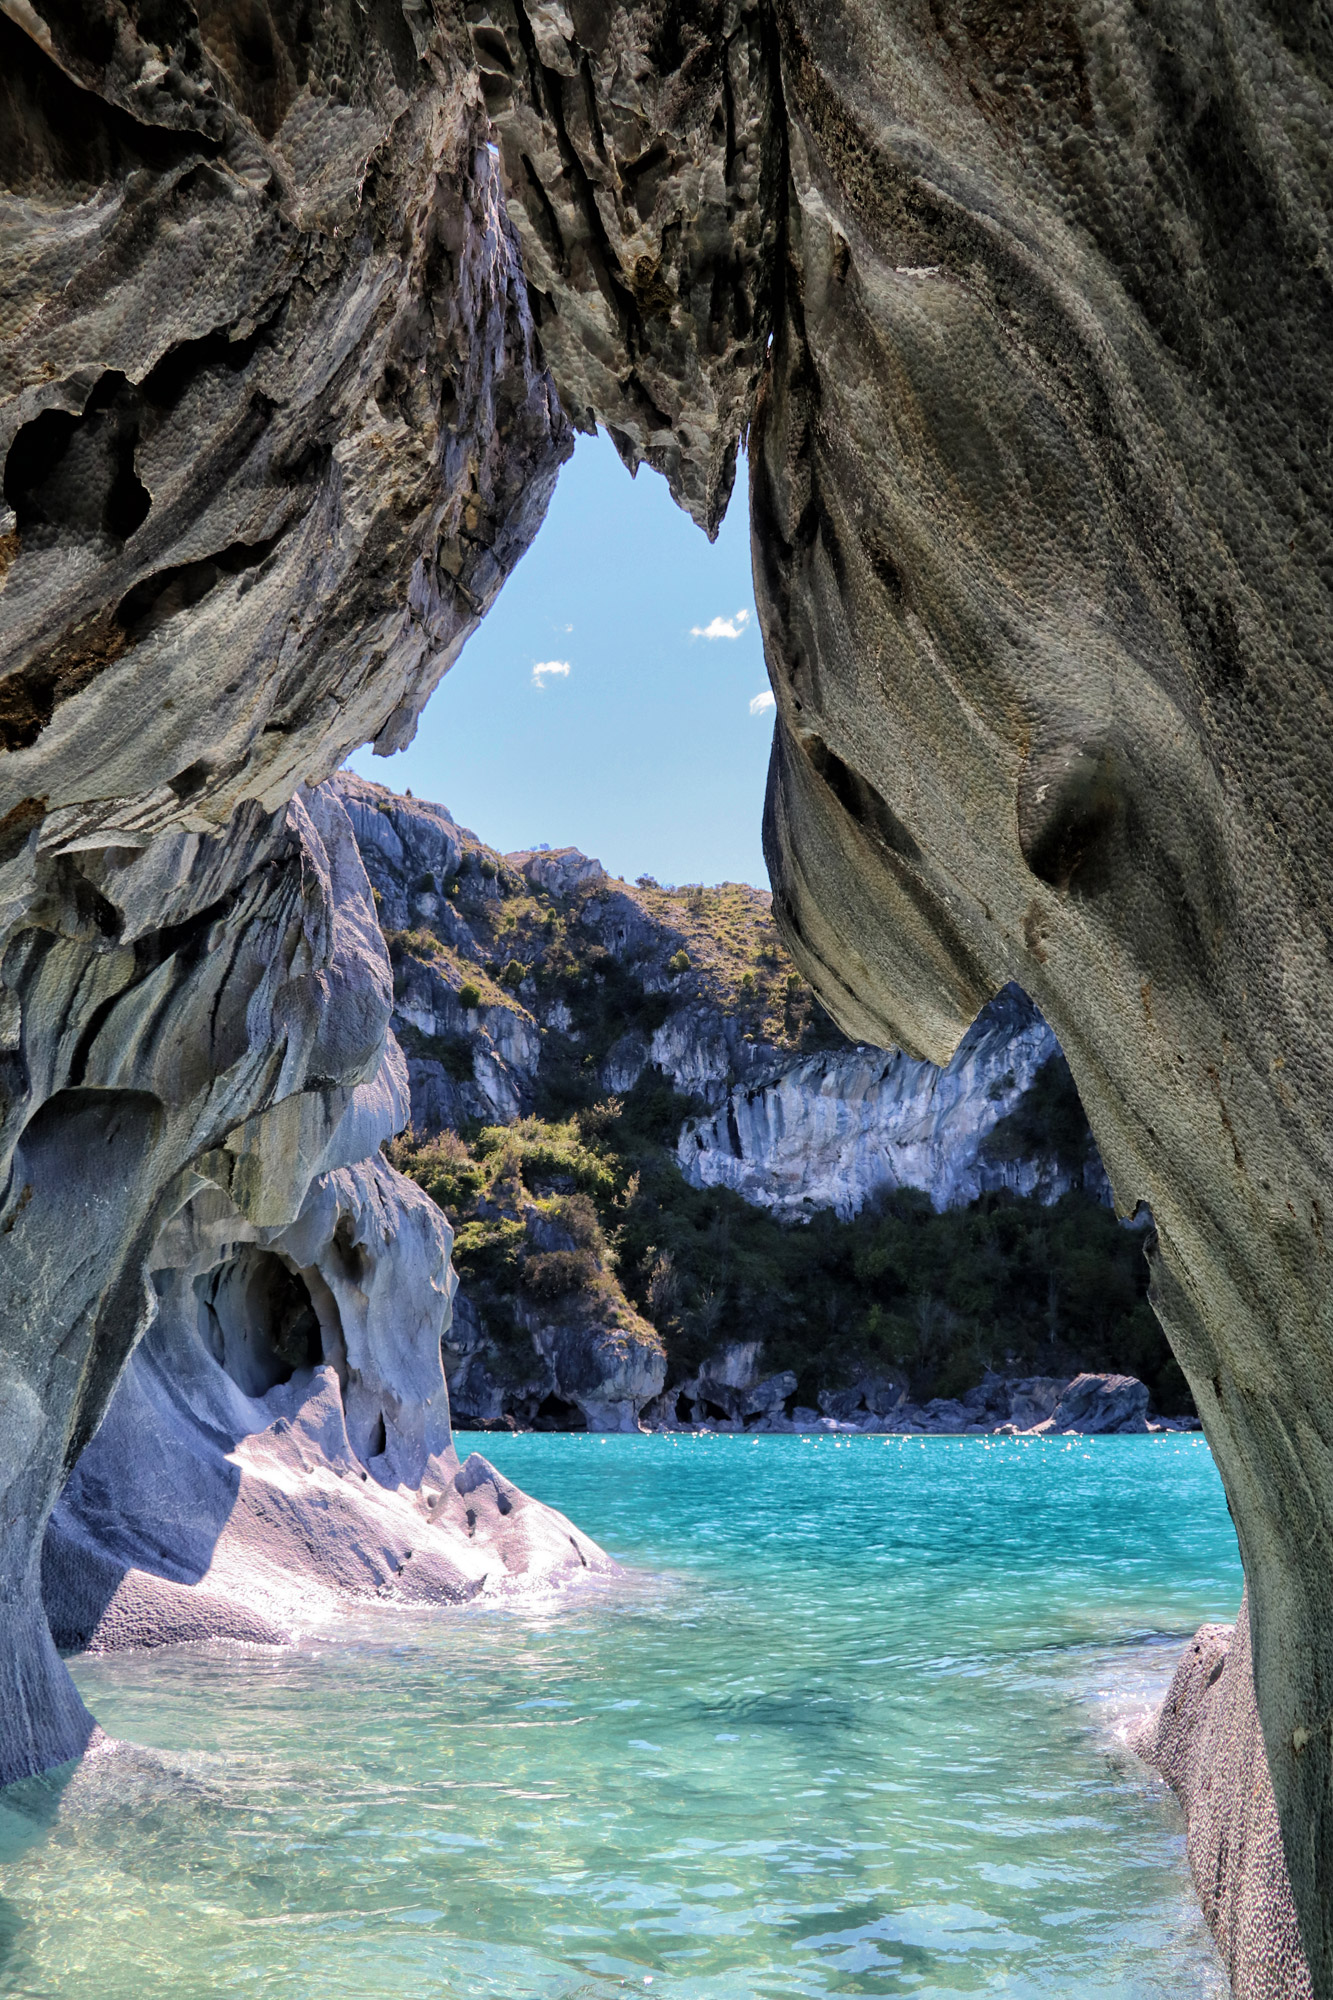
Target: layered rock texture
[1026,311]
[274,428]
[1043,554]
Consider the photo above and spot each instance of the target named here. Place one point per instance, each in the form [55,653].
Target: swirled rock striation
[274,428]
[1025,313]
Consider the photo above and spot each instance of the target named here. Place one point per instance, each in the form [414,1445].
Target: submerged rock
[1207,1743]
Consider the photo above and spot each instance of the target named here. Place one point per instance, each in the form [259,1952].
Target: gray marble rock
[240,1048]
[832,1130]
[1027,314]
[279,1443]
[274,429]
[1093,1404]
[1207,1743]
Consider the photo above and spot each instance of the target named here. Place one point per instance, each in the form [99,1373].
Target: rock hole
[379,1437]
[161,596]
[1071,815]
[859,798]
[72,478]
[555,1414]
[258,1320]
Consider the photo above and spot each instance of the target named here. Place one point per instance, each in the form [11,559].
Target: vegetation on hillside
[936,1298]
[717,944]
[1007,1283]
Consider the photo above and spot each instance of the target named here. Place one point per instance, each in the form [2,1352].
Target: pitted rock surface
[1207,1743]
[1037,304]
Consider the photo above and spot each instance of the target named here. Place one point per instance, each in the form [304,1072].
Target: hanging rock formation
[1027,311]
[274,429]
[1040,504]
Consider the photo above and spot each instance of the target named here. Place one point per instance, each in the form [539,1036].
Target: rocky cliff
[698,991]
[274,428]
[585,1052]
[832,1129]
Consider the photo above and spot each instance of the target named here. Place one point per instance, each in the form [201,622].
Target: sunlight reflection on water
[854,1724]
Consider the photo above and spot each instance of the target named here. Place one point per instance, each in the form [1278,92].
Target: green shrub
[442,1166]
[469,996]
[551,1273]
[679,962]
[422,945]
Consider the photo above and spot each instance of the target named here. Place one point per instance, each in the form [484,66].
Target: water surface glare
[849,1727]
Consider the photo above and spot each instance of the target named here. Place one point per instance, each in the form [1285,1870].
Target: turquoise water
[851,1726]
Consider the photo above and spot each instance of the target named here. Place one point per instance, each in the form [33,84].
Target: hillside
[652,1144]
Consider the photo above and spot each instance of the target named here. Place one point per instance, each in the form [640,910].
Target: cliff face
[706,999]
[1044,552]
[833,1129]
[274,429]
[611,1038]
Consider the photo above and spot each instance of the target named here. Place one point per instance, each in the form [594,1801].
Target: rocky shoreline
[729,1396]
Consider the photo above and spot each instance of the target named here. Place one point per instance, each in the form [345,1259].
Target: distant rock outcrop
[832,1129]
[525,978]
[730,1392]
[793,1127]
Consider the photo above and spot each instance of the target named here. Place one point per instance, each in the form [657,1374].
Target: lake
[852,1723]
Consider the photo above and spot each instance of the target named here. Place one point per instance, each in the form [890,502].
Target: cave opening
[539,697]
[259,1320]
[554,1413]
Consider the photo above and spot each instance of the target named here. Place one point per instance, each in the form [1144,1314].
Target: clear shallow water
[850,1728]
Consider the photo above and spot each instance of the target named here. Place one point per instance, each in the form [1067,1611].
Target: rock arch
[1025,313]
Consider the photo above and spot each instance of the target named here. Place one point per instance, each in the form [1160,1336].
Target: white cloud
[546,670]
[722,628]
[763,701]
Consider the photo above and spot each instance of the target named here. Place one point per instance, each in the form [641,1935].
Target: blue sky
[636,740]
